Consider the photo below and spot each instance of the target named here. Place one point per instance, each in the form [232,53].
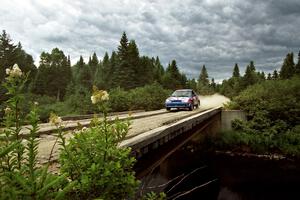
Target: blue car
[185,98]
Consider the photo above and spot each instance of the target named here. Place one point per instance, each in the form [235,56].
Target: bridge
[153,136]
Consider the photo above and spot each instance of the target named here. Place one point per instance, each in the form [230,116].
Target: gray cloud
[216,33]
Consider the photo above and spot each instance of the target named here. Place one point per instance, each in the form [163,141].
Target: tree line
[124,68]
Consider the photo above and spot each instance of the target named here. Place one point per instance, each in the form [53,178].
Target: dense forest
[133,80]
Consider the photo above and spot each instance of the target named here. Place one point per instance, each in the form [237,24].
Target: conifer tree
[275,75]
[11,54]
[137,70]
[288,67]
[269,76]
[146,75]
[203,77]
[236,71]
[83,75]
[158,70]
[213,85]
[172,76]
[251,66]
[93,63]
[124,71]
[102,74]
[112,73]
[250,77]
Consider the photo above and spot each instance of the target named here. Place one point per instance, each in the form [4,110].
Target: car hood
[178,98]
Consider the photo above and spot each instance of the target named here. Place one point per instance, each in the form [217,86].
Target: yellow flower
[93,99]
[14,72]
[99,95]
[54,119]
[7,110]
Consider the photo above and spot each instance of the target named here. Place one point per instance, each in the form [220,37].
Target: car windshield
[182,93]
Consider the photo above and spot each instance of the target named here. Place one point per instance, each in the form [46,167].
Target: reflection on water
[190,174]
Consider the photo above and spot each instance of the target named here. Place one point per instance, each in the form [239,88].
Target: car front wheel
[191,107]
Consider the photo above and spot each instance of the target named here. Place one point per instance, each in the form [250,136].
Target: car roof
[184,90]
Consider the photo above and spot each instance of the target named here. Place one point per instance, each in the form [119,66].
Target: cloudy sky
[217,33]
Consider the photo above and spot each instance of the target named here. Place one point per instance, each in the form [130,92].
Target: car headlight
[168,100]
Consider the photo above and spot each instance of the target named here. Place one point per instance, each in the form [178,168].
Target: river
[191,173]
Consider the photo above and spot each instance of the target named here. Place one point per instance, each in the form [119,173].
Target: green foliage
[286,143]
[78,101]
[236,71]
[203,77]
[273,109]
[276,100]
[203,85]
[119,100]
[172,78]
[149,97]
[96,165]
[20,177]
[154,196]
[288,67]
[54,74]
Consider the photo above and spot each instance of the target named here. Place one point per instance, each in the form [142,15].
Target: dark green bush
[79,102]
[273,109]
[272,100]
[97,166]
[119,100]
[149,97]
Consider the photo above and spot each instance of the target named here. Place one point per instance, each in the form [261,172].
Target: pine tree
[146,76]
[203,77]
[124,71]
[213,85]
[11,54]
[158,70]
[172,76]
[275,75]
[7,54]
[269,76]
[250,76]
[137,70]
[236,71]
[251,66]
[288,67]
[112,74]
[102,74]
[83,76]
[93,63]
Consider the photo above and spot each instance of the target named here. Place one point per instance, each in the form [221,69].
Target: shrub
[20,178]
[149,97]
[274,100]
[94,162]
[119,100]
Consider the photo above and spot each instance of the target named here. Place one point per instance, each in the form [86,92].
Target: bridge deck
[149,121]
